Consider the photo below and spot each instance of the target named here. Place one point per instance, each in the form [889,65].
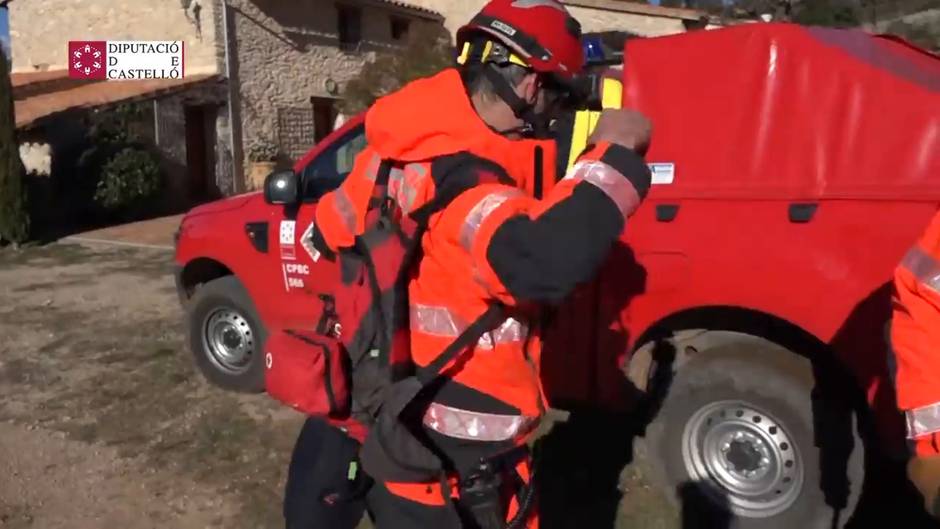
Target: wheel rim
[744,456]
[228,339]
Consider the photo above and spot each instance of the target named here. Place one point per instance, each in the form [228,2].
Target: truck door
[301,273]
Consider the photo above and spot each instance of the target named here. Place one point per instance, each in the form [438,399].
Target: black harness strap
[362,249]
[523,110]
[539,172]
[490,319]
[381,177]
[504,90]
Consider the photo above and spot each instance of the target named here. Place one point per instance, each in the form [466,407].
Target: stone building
[291,57]
[257,72]
[49,104]
[41,29]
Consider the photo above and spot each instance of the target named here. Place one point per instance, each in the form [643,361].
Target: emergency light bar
[597,54]
[593,49]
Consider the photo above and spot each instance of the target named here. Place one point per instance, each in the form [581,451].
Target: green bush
[128,178]
[828,13]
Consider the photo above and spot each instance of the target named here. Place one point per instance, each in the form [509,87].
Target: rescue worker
[493,243]
[915,340]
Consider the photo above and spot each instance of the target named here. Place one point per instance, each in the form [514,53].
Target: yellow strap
[464,53]
[515,59]
[579,135]
[612,95]
[586,120]
[487,49]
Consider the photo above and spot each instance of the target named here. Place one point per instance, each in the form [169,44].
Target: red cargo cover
[781,111]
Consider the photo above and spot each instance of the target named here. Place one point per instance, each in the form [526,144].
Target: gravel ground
[104,421]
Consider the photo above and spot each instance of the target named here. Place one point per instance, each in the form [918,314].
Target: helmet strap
[533,124]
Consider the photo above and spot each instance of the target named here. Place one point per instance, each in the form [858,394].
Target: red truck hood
[226,204]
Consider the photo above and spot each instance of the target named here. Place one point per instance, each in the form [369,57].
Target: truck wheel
[738,427]
[226,335]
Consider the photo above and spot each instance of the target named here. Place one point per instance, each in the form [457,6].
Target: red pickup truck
[750,295]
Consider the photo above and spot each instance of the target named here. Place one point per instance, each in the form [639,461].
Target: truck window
[328,170]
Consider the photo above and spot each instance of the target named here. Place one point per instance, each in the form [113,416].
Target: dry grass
[98,354]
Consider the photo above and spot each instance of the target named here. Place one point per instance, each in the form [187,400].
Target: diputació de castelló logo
[88,59]
[126,60]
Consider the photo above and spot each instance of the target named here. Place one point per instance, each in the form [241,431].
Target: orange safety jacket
[429,129]
[915,339]
[493,243]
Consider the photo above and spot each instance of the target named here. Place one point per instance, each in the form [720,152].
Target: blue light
[593,49]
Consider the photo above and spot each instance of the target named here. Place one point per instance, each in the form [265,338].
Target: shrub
[128,178]
[829,13]
[89,193]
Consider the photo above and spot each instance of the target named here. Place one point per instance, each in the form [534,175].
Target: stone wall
[40,29]
[288,51]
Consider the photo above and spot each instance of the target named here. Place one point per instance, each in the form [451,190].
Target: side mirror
[282,187]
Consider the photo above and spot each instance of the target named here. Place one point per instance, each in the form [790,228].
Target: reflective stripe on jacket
[915,337]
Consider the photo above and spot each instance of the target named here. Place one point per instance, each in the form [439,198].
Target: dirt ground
[104,421]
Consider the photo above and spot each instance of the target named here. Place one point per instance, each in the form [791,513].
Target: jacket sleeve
[340,214]
[525,250]
[915,334]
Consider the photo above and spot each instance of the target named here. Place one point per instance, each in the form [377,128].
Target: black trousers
[390,511]
[319,493]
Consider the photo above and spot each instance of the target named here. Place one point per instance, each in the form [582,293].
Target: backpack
[364,329]
[307,371]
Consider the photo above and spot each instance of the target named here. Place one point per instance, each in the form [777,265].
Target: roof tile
[44,104]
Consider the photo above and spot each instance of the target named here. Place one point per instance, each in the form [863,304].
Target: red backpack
[308,372]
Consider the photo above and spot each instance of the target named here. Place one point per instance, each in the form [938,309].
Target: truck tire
[226,335]
[737,443]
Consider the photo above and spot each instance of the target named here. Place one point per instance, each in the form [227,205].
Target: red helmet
[542,32]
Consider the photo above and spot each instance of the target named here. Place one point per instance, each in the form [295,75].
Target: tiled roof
[42,95]
[411,7]
[37,78]
[19,79]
